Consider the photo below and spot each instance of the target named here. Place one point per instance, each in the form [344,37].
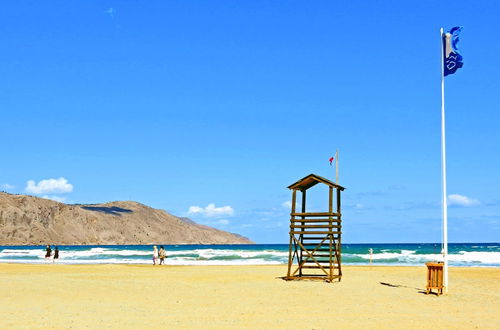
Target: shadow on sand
[402,286]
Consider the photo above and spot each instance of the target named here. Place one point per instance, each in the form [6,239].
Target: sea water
[460,254]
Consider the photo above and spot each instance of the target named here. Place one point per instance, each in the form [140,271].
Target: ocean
[460,254]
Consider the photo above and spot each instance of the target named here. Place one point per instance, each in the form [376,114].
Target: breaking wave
[270,254]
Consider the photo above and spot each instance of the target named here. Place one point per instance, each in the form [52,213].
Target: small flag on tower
[331,160]
[452,58]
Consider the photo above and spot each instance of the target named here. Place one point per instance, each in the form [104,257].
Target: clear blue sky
[180,104]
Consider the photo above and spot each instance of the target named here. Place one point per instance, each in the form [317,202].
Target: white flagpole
[443,173]
[337,167]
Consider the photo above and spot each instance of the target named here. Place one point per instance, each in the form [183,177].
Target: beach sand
[171,297]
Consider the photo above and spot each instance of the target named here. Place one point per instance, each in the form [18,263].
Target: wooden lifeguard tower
[315,237]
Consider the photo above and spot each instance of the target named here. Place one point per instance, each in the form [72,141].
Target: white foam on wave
[213,253]
[211,256]
[476,257]
[21,253]
[194,262]
[175,261]
[410,257]
[75,254]
[77,261]
[98,255]
[105,252]
[204,253]
[387,255]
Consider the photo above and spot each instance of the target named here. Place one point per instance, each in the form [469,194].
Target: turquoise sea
[461,254]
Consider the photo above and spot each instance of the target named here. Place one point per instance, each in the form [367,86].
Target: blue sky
[215,107]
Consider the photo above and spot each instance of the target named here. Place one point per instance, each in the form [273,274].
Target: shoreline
[124,296]
[223,265]
[464,255]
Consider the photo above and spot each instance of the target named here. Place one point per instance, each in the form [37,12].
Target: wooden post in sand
[315,237]
[290,256]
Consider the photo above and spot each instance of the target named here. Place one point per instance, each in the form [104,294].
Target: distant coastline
[29,220]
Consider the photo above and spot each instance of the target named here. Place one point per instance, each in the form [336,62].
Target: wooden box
[434,277]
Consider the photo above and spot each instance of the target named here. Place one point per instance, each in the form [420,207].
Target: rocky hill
[33,221]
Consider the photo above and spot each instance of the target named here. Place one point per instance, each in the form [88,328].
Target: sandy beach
[132,297]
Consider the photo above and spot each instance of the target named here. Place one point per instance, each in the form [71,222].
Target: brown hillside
[32,221]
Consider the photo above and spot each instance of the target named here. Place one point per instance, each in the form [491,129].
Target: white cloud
[211,211]
[49,186]
[461,200]
[55,198]
[7,186]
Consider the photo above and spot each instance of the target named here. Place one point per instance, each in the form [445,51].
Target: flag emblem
[331,160]
[452,59]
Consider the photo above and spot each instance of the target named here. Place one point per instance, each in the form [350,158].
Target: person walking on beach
[155,255]
[56,254]
[48,252]
[162,255]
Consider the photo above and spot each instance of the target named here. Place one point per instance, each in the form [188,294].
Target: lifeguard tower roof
[312,180]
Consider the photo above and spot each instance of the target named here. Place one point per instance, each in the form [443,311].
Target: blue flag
[452,58]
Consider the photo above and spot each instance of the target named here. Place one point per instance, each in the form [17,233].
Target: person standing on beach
[155,254]
[48,252]
[56,254]
[162,255]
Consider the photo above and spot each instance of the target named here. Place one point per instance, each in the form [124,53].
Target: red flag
[331,160]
